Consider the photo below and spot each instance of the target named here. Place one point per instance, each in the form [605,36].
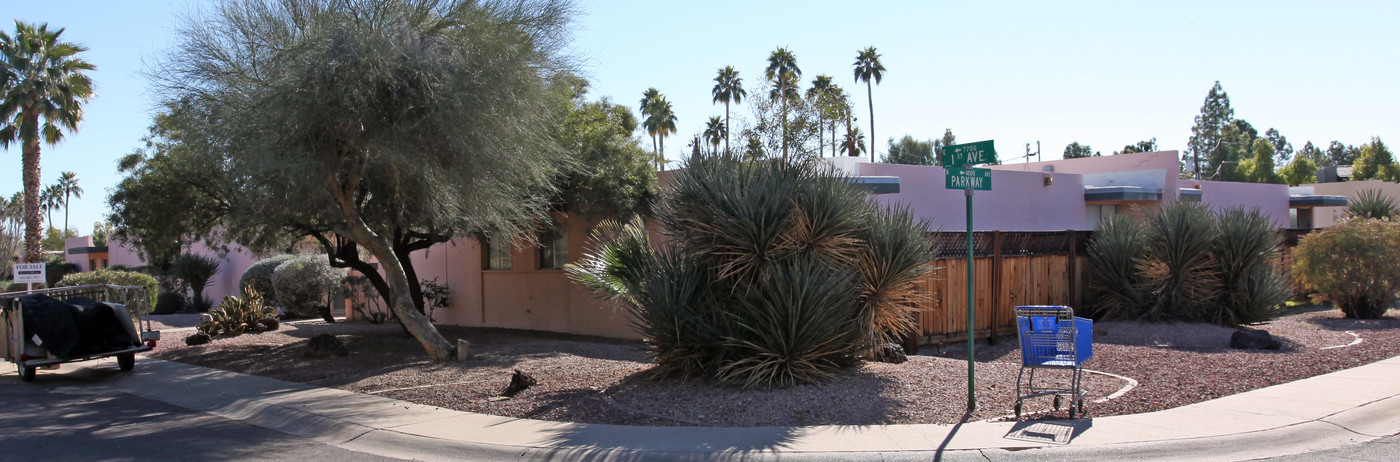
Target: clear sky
[1105,74]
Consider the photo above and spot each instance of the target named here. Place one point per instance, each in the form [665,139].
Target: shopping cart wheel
[126,361]
[1057,402]
[1071,412]
[26,373]
[1018,410]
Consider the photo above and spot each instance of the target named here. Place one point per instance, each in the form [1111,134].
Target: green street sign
[969,178]
[960,155]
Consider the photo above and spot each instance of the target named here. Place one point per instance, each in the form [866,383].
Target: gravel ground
[596,380]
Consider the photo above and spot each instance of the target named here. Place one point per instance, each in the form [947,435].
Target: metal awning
[1121,193]
[877,184]
[1316,200]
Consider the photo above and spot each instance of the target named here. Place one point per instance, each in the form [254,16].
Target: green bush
[236,315]
[56,270]
[259,276]
[1354,264]
[1185,263]
[120,278]
[169,303]
[773,273]
[302,284]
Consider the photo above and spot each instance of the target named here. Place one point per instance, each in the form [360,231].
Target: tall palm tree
[868,67]
[818,94]
[728,88]
[43,77]
[647,106]
[68,182]
[854,142]
[783,72]
[665,125]
[716,130]
[50,199]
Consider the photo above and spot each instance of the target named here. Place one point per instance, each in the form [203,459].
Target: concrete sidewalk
[1323,412]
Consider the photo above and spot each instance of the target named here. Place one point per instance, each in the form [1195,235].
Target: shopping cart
[1052,338]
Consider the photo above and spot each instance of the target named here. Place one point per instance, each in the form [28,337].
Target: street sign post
[957,159]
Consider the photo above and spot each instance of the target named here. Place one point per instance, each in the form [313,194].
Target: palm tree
[868,67]
[783,72]
[660,121]
[647,106]
[50,199]
[68,182]
[42,76]
[728,88]
[854,142]
[819,94]
[716,130]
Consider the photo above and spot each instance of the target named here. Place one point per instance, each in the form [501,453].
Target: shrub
[120,278]
[1354,264]
[169,303]
[259,276]
[1185,263]
[436,296]
[774,273]
[56,270]
[302,284]
[195,271]
[237,315]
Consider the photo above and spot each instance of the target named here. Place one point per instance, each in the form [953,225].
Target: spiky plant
[1111,269]
[1371,203]
[1246,250]
[892,265]
[1177,267]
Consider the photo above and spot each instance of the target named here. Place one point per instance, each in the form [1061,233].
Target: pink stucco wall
[1018,200]
[1162,167]
[225,283]
[1271,199]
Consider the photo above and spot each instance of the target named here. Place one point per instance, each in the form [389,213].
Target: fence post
[996,286]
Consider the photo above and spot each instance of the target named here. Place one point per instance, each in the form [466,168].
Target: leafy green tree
[1207,134]
[948,139]
[1375,163]
[1141,146]
[783,72]
[292,97]
[1076,151]
[1282,148]
[1260,167]
[1301,170]
[40,77]
[614,177]
[100,231]
[729,88]
[54,239]
[68,183]
[867,68]
[779,122]
[1317,156]
[1341,154]
[910,151]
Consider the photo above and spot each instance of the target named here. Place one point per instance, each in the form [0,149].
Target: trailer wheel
[26,373]
[126,361]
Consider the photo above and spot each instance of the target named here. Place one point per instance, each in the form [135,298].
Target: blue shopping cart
[1052,338]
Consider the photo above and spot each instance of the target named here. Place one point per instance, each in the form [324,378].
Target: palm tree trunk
[782,93]
[833,137]
[870,99]
[655,153]
[661,158]
[66,197]
[726,127]
[33,251]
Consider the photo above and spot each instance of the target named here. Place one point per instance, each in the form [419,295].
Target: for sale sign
[29,273]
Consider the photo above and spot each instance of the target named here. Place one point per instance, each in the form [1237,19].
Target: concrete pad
[1283,406]
[1201,421]
[1381,418]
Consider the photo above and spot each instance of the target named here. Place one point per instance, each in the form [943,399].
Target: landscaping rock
[891,353]
[325,346]
[267,324]
[199,338]
[519,381]
[464,350]
[1250,339]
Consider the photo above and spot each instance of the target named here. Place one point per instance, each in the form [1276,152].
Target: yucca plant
[1111,269]
[896,259]
[1245,254]
[1372,203]
[1177,267]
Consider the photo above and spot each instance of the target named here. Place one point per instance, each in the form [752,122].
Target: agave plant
[1371,203]
[773,273]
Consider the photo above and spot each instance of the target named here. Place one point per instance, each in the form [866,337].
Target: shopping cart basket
[1052,338]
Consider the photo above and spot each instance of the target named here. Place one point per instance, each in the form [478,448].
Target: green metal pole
[971,364]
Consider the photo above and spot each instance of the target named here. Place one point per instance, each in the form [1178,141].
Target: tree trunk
[661,155]
[726,128]
[782,93]
[870,99]
[33,237]
[418,324]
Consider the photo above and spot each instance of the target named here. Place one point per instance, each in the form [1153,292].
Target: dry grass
[604,381]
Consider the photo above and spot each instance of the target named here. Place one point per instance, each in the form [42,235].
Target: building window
[92,265]
[554,248]
[104,263]
[497,253]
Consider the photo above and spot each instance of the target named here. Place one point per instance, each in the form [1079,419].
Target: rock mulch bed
[597,380]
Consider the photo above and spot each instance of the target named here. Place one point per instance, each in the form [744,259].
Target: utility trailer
[23,343]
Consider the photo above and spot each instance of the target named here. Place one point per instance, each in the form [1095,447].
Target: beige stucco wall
[1328,216]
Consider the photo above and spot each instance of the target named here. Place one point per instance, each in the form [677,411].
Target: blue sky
[1102,73]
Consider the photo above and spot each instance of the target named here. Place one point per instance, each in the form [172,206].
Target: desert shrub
[169,303]
[120,278]
[195,272]
[1372,203]
[236,315]
[774,273]
[55,270]
[259,276]
[301,284]
[1185,263]
[436,296]
[1354,264]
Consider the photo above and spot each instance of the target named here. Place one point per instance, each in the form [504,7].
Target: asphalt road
[57,418]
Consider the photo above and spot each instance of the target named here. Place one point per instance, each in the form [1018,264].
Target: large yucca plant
[1372,203]
[890,268]
[1111,269]
[1246,251]
[1177,265]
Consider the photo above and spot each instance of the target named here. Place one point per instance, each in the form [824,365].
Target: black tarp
[74,328]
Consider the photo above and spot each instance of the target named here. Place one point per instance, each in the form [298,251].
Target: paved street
[58,418]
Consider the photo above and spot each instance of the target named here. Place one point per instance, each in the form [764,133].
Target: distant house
[88,257]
